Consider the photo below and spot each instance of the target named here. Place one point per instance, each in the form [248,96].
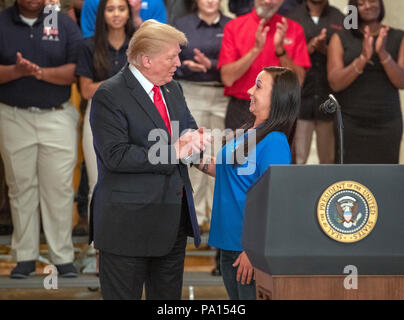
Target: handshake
[192,143]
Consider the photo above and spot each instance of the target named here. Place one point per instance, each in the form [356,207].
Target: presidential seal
[347,211]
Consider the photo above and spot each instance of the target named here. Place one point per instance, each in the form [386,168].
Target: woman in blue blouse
[275,101]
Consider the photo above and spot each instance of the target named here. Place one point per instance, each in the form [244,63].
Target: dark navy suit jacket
[136,204]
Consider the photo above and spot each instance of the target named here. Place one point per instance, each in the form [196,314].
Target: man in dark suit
[142,209]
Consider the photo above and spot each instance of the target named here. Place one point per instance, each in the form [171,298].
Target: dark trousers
[82,193]
[234,288]
[123,278]
[237,114]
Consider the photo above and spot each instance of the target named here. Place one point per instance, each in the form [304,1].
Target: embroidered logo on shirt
[50,34]
[336,27]
[288,41]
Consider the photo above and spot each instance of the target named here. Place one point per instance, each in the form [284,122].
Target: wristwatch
[281,54]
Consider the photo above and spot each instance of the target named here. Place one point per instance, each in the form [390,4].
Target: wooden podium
[327,287]
[292,253]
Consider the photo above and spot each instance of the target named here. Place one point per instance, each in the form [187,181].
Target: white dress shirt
[147,86]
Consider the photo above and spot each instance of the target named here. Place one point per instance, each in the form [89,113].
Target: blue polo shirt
[44,48]
[233,181]
[151,9]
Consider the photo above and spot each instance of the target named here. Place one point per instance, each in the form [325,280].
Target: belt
[42,110]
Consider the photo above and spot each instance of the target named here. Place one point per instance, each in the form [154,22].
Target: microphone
[329,106]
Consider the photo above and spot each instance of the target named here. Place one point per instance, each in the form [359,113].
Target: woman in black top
[366,69]
[101,57]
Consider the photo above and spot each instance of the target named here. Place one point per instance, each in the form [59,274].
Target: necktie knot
[157,93]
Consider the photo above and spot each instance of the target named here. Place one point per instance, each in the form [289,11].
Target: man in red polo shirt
[258,39]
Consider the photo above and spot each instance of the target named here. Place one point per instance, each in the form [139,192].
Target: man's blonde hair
[150,39]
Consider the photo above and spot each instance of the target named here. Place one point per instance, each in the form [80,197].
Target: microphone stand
[340,126]
[331,106]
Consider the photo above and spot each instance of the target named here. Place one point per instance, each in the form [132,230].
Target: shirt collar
[200,22]
[144,82]
[324,13]
[123,47]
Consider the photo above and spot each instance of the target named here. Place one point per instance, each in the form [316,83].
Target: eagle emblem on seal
[347,208]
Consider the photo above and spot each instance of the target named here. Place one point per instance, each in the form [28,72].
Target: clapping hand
[136,5]
[194,66]
[261,35]
[367,46]
[381,41]
[280,34]
[201,63]
[26,68]
[319,43]
[202,59]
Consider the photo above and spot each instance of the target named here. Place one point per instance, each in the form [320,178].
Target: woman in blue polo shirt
[265,140]
[101,57]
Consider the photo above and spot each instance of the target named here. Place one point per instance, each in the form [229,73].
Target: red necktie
[161,107]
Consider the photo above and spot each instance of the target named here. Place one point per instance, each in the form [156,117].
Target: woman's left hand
[245,271]
[380,46]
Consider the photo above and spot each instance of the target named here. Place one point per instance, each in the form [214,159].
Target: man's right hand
[192,142]
[261,35]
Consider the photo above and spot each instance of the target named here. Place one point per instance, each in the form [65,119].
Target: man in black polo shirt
[38,130]
[319,21]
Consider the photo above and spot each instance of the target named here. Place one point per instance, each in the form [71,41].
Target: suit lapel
[172,106]
[171,103]
[143,100]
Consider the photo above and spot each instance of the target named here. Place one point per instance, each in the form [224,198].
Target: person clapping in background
[366,69]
